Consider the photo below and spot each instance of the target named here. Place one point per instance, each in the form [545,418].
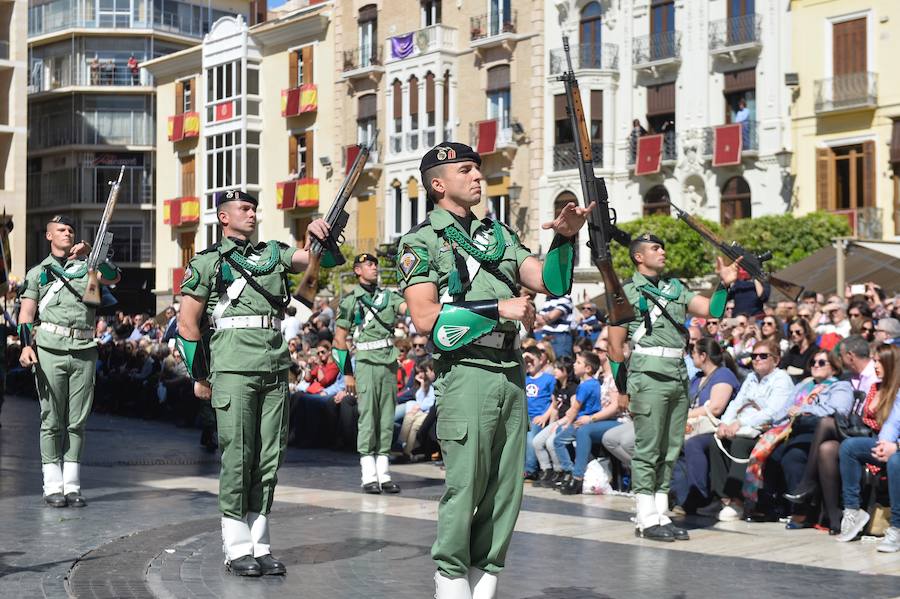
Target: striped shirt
[566,322]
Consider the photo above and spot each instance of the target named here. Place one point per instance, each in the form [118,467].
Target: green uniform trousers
[252,419]
[376,388]
[659,409]
[65,385]
[482,423]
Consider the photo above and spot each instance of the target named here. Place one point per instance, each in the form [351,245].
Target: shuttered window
[738,81]
[596,115]
[300,155]
[498,78]
[368,107]
[849,47]
[562,125]
[661,99]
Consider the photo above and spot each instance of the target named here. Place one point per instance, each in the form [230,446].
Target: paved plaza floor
[151,529]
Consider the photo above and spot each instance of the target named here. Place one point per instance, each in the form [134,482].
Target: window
[252,80]
[740,21]
[500,16]
[431,12]
[223,161]
[430,135]
[413,137]
[447,132]
[223,82]
[398,209]
[184,96]
[562,124]
[300,67]
[591,35]
[188,179]
[849,61]
[662,29]
[596,116]
[735,201]
[498,98]
[656,201]
[114,13]
[499,208]
[368,34]
[300,162]
[366,120]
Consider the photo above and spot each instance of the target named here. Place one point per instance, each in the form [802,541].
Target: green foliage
[789,238]
[687,256]
[329,278]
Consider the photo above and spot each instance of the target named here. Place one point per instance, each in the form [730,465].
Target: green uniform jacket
[427,257]
[663,333]
[370,317]
[242,350]
[65,309]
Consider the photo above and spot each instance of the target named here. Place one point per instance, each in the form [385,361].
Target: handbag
[852,424]
[703,424]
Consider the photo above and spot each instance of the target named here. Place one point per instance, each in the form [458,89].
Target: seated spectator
[858,365]
[803,347]
[882,452]
[585,423]
[711,390]
[591,322]
[417,411]
[549,353]
[764,393]
[323,371]
[556,321]
[711,329]
[539,385]
[822,467]
[836,319]
[103,334]
[770,328]
[406,364]
[566,387]
[888,331]
[857,311]
[582,344]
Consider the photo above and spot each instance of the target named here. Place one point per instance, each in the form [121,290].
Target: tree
[790,239]
[687,256]
[329,278]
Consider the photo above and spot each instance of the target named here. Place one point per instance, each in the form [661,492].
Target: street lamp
[513,191]
[783,157]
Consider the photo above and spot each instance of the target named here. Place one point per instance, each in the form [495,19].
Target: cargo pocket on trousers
[220,401]
[452,429]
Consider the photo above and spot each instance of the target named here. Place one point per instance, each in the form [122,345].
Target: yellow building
[241,111]
[13,123]
[846,113]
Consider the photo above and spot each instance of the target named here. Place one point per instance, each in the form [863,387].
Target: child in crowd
[416,411]
[566,387]
[539,386]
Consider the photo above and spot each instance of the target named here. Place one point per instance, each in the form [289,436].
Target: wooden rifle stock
[620,310]
[91,295]
[309,284]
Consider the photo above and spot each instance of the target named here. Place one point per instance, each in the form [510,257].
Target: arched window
[397,121]
[429,110]
[735,201]
[590,36]
[558,204]
[656,201]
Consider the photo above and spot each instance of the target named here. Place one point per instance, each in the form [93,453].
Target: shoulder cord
[65,283]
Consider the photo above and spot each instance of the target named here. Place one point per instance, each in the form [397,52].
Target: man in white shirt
[838,321]
[290,326]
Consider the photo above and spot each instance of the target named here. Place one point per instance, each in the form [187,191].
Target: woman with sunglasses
[803,347]
[770,328]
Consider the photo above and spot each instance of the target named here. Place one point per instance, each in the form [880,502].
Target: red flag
[293,102]
[289,195]
[224,111]
[487,136]
[177,279]
[649,155]
[727,144]
[352,152]
[176,127]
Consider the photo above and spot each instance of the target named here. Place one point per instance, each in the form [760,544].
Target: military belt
[499,340]
[67,331]
[659,352]
[378,344]
[248,322]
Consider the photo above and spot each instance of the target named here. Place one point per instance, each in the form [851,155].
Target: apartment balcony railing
[100,75]
[116,128]
[363,59]
[729,34]
[87,185]
[865,223]
[657,48]
[491,25]
[603,57]
[4,50]
[749,138]
[414,43]
[669,148]
[565,156]
[847,92]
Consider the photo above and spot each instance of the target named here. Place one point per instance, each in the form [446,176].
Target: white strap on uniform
[659,352]
[248,322]
[54,288]
[369,317]
[655,313]
[231,294]
[481,240]
[377,344]
[62,331]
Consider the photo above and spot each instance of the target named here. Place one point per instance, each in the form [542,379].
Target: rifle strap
[278,303]
[678,326]
[64,281]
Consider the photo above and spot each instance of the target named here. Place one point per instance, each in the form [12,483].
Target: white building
[680,68]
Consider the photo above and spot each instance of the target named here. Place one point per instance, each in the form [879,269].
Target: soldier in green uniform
[657,382]
[368,313]
[65,358]
[240,290]
[461,278]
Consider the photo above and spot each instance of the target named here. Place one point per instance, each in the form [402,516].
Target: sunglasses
[819,363]
[796,331]
[322,351]
[418,345]
[868,329]
[768,323]
[855,315]
[601,350]
[711,322]
[760,356]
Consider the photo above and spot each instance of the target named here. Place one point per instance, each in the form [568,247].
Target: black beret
[645,238]
[233,195]
[63,220]
[448,153]
[365,257]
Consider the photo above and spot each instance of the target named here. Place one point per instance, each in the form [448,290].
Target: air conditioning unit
[791,79]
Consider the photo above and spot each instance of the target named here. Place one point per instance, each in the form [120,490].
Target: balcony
[657,51]
[669,147]
[853,91]
[373,164]
[491,136]
[492,29]
[749,138]
[565,157]
[102,128]
[101,74]
[423,41]
[735,38]
[587,57]
[87,186]
[865,223]
[363,62]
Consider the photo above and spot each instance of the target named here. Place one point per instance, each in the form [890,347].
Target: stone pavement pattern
[151,530]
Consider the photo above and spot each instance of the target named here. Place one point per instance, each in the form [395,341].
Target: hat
[448,153]
[365,257]
[63,220]
[233,195]
[891,326]
[644,238]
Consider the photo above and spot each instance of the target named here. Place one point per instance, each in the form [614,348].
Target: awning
[864,261]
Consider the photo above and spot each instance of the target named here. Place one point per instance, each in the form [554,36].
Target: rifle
[327,252]
[601,223]
[751,262]
[100,251]
[6,227]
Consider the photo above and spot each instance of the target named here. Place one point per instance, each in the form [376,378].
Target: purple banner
[402,45]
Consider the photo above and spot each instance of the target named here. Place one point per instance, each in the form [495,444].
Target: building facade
[13,124]
[240,111]
[660,81]
[422,72]
[846,119]
[91,111]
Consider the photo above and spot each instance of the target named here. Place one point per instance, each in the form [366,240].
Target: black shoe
[372,488]
[75,499]
[655,533]
[270,566]
[573,487]
[56,500]
[562,480]
[545,479]
[679,533]
[802,495]
[244,566]
[532,475]
[390,487]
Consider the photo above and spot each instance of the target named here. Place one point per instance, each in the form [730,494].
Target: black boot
[244,566]
[545,479]
[679,533]
[562,480]
[56,500]
[390,487]
[269,565]
[803,493]
[372,488]
[75,499]
[572,487]
[655,533]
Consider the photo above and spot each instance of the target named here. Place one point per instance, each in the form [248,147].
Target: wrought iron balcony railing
[656,47]
[744,30]
[842,92]
[565,157]
[603,57]
[492,24]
